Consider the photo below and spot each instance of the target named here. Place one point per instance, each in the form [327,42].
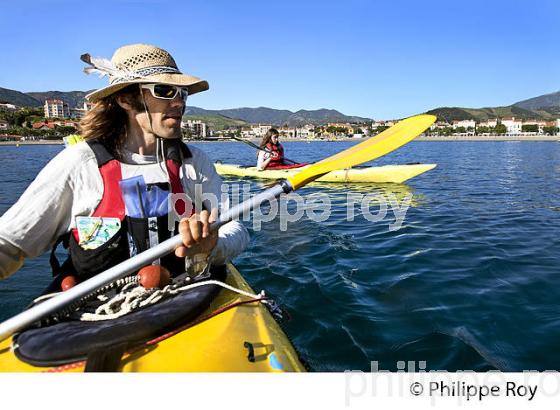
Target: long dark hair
[106,121]
[268,137]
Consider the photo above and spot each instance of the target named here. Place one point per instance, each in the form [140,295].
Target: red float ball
[154,276]
[68,282]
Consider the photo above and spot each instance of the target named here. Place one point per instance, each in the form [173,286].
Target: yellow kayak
[382,174]
[233,334]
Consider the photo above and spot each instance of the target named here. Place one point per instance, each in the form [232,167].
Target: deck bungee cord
[133,297]
[130,296]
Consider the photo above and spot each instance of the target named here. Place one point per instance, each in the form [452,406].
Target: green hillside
[72,98]
[18,98]
[216,122]
[450,114]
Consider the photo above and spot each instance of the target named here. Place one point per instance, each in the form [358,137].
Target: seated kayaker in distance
[132,139]
[271,154]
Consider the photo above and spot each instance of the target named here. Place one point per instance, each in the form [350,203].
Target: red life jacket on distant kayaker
[277,156]
[135,234]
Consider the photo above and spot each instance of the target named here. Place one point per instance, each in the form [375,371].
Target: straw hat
[139,63]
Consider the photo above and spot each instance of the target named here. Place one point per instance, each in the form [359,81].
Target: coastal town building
[43,125]
[50,125]
[551,124]
[464,123]
[349,128]
[79,112]
[490,123]
[307,131]
[287,132]
[247,133]
[539,124]
[255,131]
[3,125]
[464,126]
[7,106]
[76,113]
[383,123]
[439,125]
[260,130]
[513,125]
[56,109]
[197,128]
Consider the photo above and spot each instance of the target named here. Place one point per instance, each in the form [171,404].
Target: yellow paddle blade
[372,148]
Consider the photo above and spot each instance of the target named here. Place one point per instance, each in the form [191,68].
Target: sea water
[469,281]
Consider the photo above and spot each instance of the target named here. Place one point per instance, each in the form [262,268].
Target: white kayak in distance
[382,174]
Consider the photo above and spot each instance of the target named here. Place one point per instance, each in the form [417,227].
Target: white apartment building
[439,125]
[287,132]
[196,127]
[464,123]
[81,111]
[56,109]
[490,123]
[260,130]
[256,131]
[513,126]
[307,131]
[7,107]
[247,133]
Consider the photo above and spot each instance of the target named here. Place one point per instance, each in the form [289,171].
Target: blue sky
[379,59]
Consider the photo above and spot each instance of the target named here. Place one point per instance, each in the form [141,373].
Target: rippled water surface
[470,281]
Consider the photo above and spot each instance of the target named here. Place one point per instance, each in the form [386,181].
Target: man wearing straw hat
[132,153]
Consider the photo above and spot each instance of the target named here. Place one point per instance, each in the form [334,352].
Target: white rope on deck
[134,296]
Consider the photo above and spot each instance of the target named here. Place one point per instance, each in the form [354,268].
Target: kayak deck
[381,174]
[213,343]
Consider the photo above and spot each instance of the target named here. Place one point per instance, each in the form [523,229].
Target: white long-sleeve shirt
[261,158]
[70,185]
